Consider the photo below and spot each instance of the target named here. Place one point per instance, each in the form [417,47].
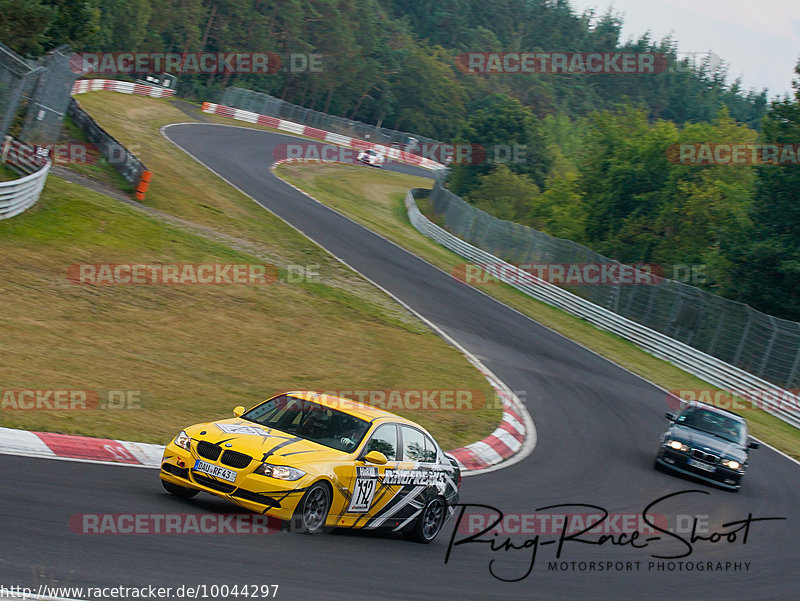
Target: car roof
[713,409]
[349,406]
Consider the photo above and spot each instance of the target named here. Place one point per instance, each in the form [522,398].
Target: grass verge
[194,352]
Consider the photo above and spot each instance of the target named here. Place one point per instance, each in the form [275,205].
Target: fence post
[739,350]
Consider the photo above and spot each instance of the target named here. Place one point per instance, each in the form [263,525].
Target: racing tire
[312,511]
[428,525]
[179,491]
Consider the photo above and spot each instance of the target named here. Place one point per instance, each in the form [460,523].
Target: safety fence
[392,153]
[83,86]
[774,399]
[20,194]
[264,104]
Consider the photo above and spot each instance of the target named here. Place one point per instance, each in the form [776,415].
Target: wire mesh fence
[265,104]
[16,75]
[760,344]
[49,98]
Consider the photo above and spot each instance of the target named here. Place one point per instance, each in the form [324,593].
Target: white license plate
[702,466]
[215,470]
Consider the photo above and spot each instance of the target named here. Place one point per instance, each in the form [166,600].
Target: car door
[409,484]
[367,493]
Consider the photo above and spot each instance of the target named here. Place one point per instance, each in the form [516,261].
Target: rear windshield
[310,421]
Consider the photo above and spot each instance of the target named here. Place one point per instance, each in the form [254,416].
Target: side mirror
[238,411]
[753,445]
[375,457]
[670,416]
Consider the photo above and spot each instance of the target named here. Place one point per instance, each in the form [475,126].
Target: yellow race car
[317,461]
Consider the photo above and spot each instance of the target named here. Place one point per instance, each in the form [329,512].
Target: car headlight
[677,445]
[731,463]
[183,440]
[281,472]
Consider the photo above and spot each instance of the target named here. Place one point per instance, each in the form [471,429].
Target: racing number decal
[364,489]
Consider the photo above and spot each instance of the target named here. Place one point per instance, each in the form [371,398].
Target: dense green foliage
[594,169]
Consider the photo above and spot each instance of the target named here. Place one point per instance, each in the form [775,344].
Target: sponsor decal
[241,429]
[414,477]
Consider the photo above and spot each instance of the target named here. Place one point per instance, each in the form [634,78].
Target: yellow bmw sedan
[317,462]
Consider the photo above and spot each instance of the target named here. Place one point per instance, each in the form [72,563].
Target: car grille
[215,484]
[208,450]
[236,459]
[703,456]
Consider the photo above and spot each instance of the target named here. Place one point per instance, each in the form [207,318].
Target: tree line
[596,167]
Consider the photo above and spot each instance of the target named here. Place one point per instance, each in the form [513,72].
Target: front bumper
[721,476]
[277,498]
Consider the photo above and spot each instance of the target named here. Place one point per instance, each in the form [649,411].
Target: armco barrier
[123,160]
[124,87]
[710,369]
[20,194]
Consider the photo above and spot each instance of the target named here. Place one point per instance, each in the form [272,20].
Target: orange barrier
[144,184]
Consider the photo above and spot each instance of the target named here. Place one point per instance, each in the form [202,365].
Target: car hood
[262,443]
[708,442]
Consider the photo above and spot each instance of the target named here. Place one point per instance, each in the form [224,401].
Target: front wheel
[429,523]
[312,511]
[179,491]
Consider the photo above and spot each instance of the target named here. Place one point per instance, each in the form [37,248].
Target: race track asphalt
[598,427]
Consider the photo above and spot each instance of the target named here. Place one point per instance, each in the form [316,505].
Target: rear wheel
[179,491]
[429,523]
[312,511]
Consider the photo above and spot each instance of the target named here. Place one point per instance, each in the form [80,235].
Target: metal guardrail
[775,400]
[20,194]
[264,104]
[83,86]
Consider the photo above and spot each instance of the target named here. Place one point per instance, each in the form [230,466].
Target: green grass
[7,174]
[195,352]
[100,169]
[374,198]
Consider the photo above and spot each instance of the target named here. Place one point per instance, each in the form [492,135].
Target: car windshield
[714,423]
[311,421]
